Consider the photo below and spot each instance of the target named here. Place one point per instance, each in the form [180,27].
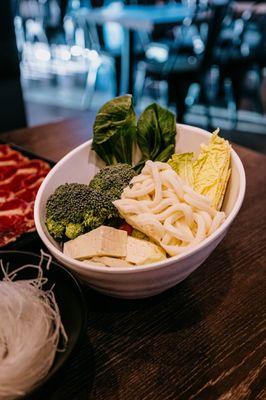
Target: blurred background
[205,60]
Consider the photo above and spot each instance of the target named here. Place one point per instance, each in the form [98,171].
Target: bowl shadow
[180,307]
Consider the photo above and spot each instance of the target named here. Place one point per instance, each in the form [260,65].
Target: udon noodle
[158,203]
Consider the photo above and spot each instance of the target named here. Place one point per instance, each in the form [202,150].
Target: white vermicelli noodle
[30,330]
[172,214]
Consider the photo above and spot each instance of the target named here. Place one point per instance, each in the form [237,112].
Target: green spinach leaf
[166,153]
[114,130]
[156,130]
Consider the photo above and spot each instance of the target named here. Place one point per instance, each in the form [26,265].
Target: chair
[79,32]
[107,41]
[181,70]
[243,52]
[112,36]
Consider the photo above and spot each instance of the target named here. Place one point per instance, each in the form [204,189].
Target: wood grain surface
[203,339]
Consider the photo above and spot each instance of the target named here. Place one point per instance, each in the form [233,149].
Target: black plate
[25,239]
[71,304]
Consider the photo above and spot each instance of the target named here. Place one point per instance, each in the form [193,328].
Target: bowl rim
[79,266]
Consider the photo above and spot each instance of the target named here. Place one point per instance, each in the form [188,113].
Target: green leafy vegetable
[209,173]
[182,164]
[212,169]
[166,153]
[156,131]
[114,131]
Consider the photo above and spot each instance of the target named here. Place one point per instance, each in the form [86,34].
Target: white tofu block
[141,252]
[103,241]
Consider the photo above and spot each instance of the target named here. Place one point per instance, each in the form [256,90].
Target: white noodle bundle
[30,330]
[158,203]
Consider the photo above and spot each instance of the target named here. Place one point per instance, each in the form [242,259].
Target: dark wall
[12,113]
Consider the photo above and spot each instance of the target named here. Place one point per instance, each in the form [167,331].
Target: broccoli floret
[56,229]
[92,220]
[76,208]
[74,229]
[105,217]
[113,179]
[69,202]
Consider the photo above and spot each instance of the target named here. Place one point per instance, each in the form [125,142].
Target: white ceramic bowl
[80,165]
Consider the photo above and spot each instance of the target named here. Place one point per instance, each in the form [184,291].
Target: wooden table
[203,339]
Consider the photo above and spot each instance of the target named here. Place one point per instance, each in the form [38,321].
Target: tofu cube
[141,252]
[102,241]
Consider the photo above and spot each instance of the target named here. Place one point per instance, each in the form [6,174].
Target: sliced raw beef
[20,179]
[6,195]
